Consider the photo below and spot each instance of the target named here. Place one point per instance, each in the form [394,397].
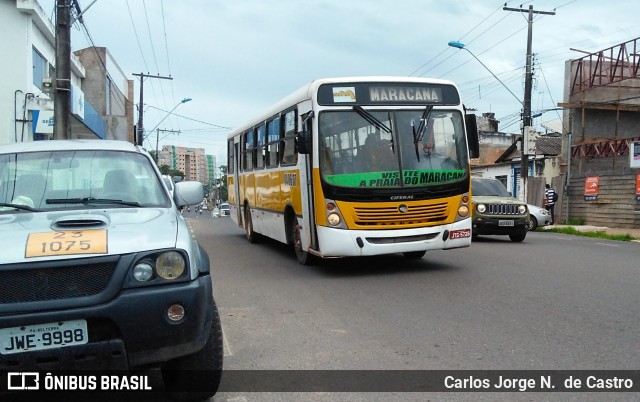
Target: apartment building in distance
[192,161]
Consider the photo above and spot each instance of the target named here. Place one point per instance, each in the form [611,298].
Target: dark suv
[496,212]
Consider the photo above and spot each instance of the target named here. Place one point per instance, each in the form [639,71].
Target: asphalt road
[553,302]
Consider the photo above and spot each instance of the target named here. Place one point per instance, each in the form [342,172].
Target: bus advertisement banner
[410,178]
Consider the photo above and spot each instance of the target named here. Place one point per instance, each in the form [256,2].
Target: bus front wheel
[414,255]
[302,256]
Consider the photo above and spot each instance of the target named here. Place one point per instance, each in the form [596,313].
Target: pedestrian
[550,198]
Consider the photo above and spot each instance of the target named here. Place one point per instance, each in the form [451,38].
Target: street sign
[591,188]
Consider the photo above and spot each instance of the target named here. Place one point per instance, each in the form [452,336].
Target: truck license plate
[30,338]
[505,223]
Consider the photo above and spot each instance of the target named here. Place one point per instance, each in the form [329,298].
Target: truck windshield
[392,148]
[78,180]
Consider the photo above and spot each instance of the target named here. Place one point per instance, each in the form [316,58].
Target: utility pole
[158,141]
[139,130]
[62,103]
[526,112]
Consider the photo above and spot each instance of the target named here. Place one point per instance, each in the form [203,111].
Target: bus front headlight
[463,211]
[333,219]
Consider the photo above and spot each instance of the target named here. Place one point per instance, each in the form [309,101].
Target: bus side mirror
[472,135]
[303,141]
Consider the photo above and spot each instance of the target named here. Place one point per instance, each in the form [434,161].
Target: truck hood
[128,230]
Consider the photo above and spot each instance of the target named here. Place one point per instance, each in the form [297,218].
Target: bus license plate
[30,338]
[505,223]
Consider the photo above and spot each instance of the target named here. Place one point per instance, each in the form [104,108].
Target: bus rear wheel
[248,226]
[302,256]
[415,255]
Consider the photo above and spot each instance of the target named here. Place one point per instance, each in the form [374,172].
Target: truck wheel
[201,371]
[517,238]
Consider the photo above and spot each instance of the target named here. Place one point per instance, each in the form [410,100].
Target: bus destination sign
[387,94]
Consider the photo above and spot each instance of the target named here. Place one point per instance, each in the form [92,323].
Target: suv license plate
[30,338]
[505,223]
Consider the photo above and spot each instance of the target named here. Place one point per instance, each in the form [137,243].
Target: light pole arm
[459,45]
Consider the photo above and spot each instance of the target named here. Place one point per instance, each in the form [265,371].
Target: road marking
[607,244]
[225,343]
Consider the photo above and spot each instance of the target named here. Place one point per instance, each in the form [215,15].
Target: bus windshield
[392,148]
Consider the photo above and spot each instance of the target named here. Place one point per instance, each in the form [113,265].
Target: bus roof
[310,89]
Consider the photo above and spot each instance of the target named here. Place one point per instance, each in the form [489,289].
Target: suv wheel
[201,371]
[517,238]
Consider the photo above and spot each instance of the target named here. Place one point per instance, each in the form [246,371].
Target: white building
[28,57]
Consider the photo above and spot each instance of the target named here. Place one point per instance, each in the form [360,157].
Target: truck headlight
[170,265]
[143,271]
[481,208]
[522,209]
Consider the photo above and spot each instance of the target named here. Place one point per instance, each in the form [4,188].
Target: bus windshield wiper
[18,206]
[92,200]
[422,128]
[371,118]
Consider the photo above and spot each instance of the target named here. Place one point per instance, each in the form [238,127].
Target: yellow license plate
[66,243]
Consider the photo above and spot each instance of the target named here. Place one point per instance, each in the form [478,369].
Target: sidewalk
[635,233]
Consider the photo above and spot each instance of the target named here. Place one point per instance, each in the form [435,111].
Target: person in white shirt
[550,201]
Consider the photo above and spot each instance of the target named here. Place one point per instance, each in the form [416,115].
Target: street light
[524,157]
[184,100]
[460,45]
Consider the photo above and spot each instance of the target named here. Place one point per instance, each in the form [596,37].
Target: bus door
[308,233]
[236,182]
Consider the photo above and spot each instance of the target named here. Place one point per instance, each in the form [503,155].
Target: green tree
[175,172]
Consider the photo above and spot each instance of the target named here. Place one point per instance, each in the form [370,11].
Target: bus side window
[260,149]
[247,150]
[273,138]
[289,153]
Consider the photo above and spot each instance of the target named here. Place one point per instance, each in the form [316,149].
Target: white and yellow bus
[357,166]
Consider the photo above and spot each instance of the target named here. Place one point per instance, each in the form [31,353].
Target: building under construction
[600,185]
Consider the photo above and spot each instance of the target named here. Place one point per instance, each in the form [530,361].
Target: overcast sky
[234,58]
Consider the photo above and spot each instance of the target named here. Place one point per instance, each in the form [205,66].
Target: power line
[189,118]
[137,38]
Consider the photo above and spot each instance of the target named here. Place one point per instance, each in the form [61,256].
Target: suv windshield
[488,187]
[392,148]
[78,179]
